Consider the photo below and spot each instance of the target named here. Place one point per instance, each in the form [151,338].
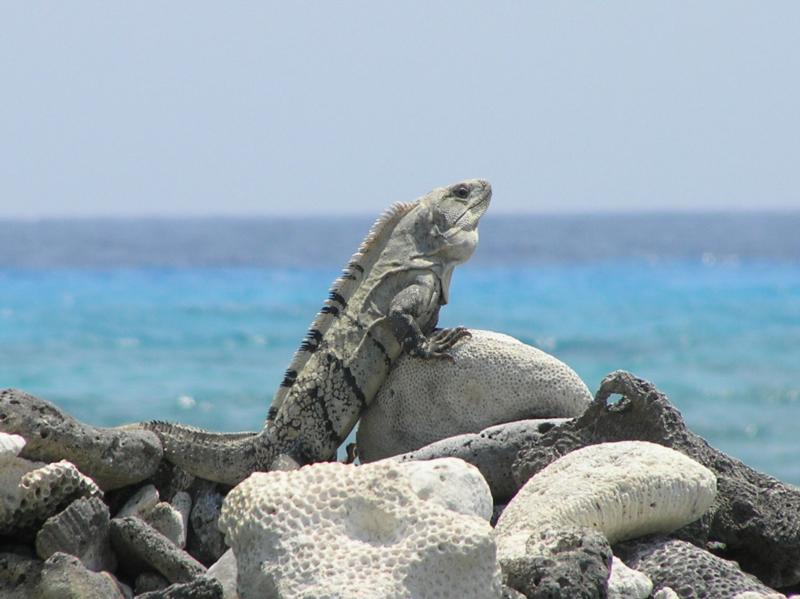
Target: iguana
[386,301]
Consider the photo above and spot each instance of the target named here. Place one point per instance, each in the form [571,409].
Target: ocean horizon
[195,319]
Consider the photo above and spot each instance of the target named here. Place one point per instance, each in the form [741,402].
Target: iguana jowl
[386,301]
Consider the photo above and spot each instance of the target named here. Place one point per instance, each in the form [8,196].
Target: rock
[147,582]
[169,522]
[665,593]
[80,530]
[494,378]
[141,502]
[755,515]
[64,577]
[111,457]
[203,587]
[492,451]
[19,576]
[453,484]
[568,563]
[133,537]
[31,492]
[627,583]
[224,570]
[206,543]
[336,530]
[508,593]
[692,572]
[624,490]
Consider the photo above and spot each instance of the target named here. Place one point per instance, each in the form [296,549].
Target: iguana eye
[462,191]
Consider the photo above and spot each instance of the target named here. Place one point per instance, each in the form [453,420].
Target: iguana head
[452,215]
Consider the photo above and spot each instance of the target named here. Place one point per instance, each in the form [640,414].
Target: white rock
[168,521]
[224,570]
[666,593]
[453,484]
[141,502]
[627,583]
[494,379]
[336,530]
[757,595]
[10,445]
[625,490]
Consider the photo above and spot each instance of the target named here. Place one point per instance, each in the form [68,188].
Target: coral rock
[627,583]
[354,532]
[561,563]
[133,537]
[755,515]
[492,451]
[64,577]
[112,457]
[692,572]
[206,542]
[80,530]
[494,378]
[624,490]
[19,576]
[31,492]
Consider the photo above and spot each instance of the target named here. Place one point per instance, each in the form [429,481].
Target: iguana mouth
[479,205]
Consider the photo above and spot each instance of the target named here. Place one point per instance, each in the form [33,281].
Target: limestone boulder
[336,530]
[113,458]
[493,378]
[624,490]
[755,517]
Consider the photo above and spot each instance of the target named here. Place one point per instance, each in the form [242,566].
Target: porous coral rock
[755,516]
[627,583]
[335,530]
[493,378]
[31,492]
[80,530]
[625,490]
[206,542]
[112,457]
[65,577]
[692,572]
[453,484]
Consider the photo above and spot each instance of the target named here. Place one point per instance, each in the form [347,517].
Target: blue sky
[198,108]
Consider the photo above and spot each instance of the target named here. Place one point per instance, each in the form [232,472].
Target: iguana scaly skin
[386,301]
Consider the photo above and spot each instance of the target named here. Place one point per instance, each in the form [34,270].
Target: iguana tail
[226,458]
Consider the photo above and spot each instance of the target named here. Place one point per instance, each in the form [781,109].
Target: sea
[195,320]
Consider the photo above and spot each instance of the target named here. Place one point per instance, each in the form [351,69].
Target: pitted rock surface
[756,516]
[80,530]
[492,379]
[691,572]
[111,457]
[624,490]
[337,530]
[19,575]
[203,587]
[31,492]
[205,541]
[64,577]
[571,563]
[133,538]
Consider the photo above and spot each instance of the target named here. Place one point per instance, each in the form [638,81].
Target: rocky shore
[496,475]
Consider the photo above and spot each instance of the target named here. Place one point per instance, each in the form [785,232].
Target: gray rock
[64,577]
[508,593]
[141,502]
[203,587]
[80,530]
[112,457]
[147,582]
[492,451]
[169,522]
[562,564]
[19,575]
[754,515]
[131,536]
[224,570]
[691,572]
[206,542]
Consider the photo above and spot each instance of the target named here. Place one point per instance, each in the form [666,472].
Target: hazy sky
[195,108]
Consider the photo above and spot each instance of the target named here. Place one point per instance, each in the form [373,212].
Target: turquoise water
[207,345]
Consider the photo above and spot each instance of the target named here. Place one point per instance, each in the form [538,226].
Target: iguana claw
[441,340]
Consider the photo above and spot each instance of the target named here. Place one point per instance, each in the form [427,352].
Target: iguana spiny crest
[386,301]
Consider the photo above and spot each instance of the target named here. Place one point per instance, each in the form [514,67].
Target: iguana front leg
[419,303]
